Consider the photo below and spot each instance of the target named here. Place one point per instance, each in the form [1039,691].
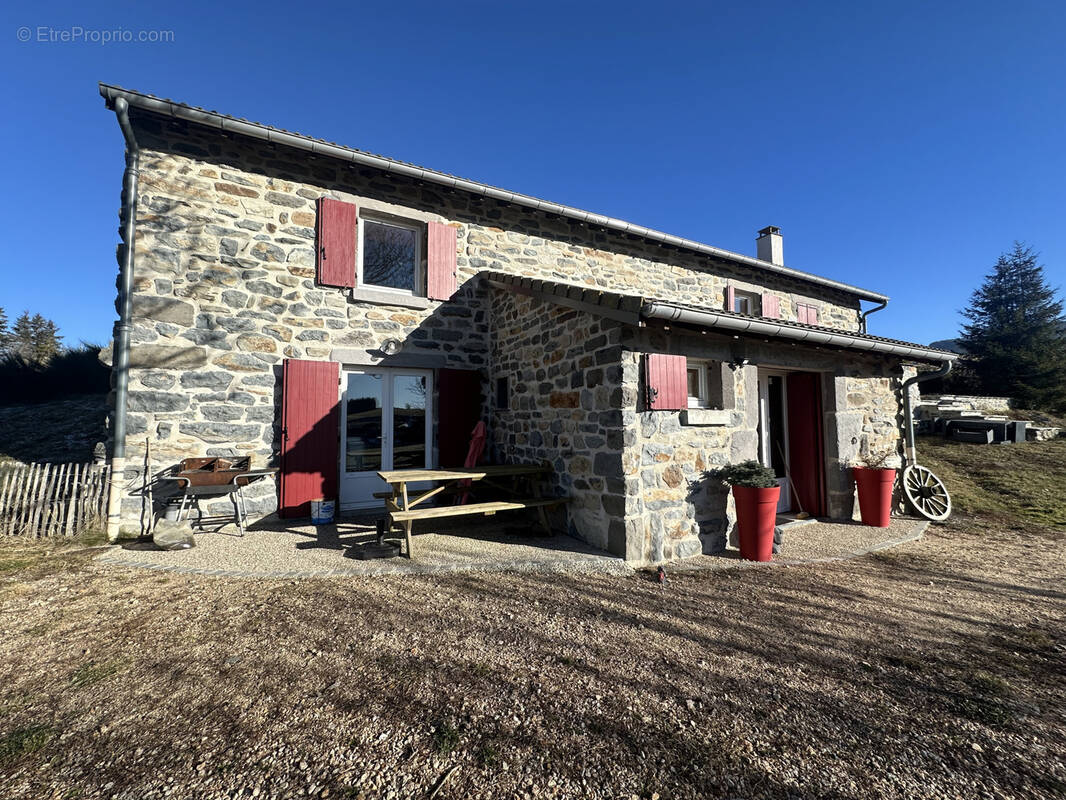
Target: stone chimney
[770,246]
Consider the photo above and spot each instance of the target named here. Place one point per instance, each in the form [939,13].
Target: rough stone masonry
[225,290]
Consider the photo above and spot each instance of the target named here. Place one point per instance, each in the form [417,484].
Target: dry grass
[1012,483]
[932,670]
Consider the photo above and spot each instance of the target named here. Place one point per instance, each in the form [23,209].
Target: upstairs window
[745,303]
[390,254]
[384,258]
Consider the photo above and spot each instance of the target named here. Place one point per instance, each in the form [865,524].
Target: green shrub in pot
[755,495]
[750,474]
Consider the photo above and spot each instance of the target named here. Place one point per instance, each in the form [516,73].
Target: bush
[750,474]
[71,372]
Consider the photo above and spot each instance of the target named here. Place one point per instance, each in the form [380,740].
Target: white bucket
[321,512]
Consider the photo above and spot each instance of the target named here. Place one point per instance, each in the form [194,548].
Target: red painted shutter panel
[801,312]
[458,411]
[730,299]
[335,230]
[666,379]
[771,306]
[440,260]
[310,429]
[812,315]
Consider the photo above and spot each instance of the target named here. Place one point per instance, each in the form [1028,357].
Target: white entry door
[386,423]
[773,431]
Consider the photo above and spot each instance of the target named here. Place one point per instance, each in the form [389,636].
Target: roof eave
[800,334]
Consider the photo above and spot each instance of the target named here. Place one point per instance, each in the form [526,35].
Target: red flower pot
[756,515]
[875,494]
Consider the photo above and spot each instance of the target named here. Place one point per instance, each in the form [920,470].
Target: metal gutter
[124,304]
[733,323]
[231,125]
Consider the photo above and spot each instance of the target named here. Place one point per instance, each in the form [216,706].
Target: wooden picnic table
[522,482]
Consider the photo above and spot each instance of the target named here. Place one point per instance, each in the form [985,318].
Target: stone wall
[673,508]
[224,287]
[984,404]
[565,386]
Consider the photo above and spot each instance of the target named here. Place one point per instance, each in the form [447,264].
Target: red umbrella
[473,455]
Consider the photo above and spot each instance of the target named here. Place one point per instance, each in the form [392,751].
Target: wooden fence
[52,499]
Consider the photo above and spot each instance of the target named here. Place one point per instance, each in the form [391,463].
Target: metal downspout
[121,355]
[868,312]
[910,449]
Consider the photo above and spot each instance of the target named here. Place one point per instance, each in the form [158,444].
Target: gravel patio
[278,550]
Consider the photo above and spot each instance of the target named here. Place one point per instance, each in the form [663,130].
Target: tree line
[35,339]
[36,367]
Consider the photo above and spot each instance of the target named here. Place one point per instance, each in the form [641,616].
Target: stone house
[333,312]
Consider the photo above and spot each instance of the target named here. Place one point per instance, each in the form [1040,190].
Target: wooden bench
[487,509]
[401,508]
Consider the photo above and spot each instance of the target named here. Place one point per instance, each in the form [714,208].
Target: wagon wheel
[926,493]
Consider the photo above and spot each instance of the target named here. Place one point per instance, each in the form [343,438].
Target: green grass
[89,674]
[445,737]
[24,741]
[487,755]
[989,684]
[10,564]
[1017,480]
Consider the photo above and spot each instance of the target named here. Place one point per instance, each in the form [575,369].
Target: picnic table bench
[521,483]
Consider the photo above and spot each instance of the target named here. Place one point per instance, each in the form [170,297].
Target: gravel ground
[308,550]
[811,541]
[932,670]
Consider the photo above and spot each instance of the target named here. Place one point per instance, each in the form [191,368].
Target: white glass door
[386,423]
[773,432]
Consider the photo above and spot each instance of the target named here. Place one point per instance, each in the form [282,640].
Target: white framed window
[699,395]
[746,303]
[390,255]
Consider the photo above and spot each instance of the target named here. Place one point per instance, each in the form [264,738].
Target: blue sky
[900,146]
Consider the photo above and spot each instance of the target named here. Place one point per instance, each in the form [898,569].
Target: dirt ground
[934,670]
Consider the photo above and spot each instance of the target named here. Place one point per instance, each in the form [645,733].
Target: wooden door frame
[387,417]
[764,426]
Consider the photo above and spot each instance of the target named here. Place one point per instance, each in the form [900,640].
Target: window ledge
[364,294]
[706,416]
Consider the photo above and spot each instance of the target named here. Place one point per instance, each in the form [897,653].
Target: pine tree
[45,339]
[21,341]
[1016,333]
[35,339]
[5,334]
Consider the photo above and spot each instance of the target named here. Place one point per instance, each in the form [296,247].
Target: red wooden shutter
[666,381]
[807,313]
[336,245]
[441,280]
[771,306]
[458,411]
[730,299]
[310,428]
